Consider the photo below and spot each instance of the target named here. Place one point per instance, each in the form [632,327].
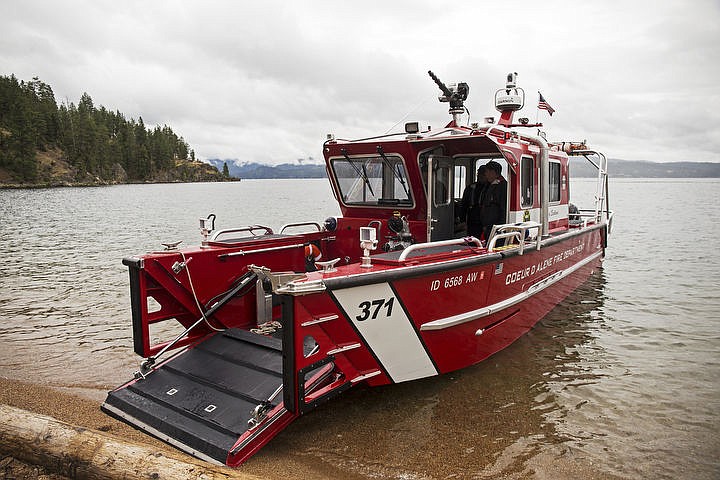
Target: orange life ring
[312,252]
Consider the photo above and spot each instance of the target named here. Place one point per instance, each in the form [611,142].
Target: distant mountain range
[640,169]
[579,168]
[258,170]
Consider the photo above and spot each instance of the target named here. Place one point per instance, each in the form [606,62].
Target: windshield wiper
[362,174]
[397,174]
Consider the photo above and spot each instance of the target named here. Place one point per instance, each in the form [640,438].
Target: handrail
[587,217]
[441,243]
[301,224]
[602,200]
[500,236]
[250,228]
[502,231]
[261,250]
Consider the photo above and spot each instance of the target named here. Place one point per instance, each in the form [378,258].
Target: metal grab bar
[250,228]
[585,218]
[501,236]
[521,229]
[302,224]
[260,250]
[441,243]
[602,200]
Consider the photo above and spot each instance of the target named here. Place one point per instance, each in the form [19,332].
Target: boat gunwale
[412,269]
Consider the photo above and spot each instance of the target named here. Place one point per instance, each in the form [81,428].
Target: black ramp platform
[204,397]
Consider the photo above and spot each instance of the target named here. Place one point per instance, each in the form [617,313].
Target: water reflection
[486,420]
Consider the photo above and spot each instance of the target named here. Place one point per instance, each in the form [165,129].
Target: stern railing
[602,193]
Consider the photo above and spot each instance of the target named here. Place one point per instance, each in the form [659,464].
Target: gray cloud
[266,81]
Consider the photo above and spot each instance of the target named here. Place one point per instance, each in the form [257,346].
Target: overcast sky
[266,81]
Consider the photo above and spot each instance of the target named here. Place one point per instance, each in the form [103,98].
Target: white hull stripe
[509,302]
[383,324]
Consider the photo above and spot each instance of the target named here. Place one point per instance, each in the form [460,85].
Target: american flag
[543,105]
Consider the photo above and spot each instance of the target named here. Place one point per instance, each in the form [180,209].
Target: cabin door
[441,214]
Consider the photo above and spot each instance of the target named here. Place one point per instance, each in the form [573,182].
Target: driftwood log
[82,453]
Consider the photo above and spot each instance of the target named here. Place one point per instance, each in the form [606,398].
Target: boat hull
[223,395]
[416,326]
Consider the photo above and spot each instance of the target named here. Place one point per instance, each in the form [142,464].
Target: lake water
[622,380]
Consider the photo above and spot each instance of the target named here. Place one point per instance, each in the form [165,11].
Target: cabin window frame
[479,159]
[523,185]
[443,176]
[483,158]
[460,180]
[557,186]
[387,181]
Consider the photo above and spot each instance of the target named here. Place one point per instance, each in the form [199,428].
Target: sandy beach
[279,460]
[80,406]
[68,405]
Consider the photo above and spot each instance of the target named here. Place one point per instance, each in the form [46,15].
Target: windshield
[377,180]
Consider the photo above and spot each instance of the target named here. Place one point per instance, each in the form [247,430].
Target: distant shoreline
[38,186]
[578,169]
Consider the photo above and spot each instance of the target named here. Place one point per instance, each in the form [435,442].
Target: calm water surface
[622,379]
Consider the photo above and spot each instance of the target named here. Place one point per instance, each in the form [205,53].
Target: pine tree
[94,140]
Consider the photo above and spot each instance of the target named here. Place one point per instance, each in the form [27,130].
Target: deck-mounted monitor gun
[455,94]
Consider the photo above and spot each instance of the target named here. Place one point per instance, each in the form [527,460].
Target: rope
[197,302]
[267,328]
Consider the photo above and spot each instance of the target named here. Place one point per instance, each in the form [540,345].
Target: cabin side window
[443,186]
[460,180]
[423,161]
[372,181]
[554,181]
[527,182]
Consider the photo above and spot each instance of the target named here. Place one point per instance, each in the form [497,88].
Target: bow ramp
[219,400]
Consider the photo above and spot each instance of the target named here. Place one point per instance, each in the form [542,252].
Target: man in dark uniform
[470,204]
[494,199]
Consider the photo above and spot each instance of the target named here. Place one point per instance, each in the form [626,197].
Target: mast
[509,99]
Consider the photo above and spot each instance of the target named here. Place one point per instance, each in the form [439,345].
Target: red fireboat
[395,289]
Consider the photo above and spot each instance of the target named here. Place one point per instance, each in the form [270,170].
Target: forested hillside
[42,142]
